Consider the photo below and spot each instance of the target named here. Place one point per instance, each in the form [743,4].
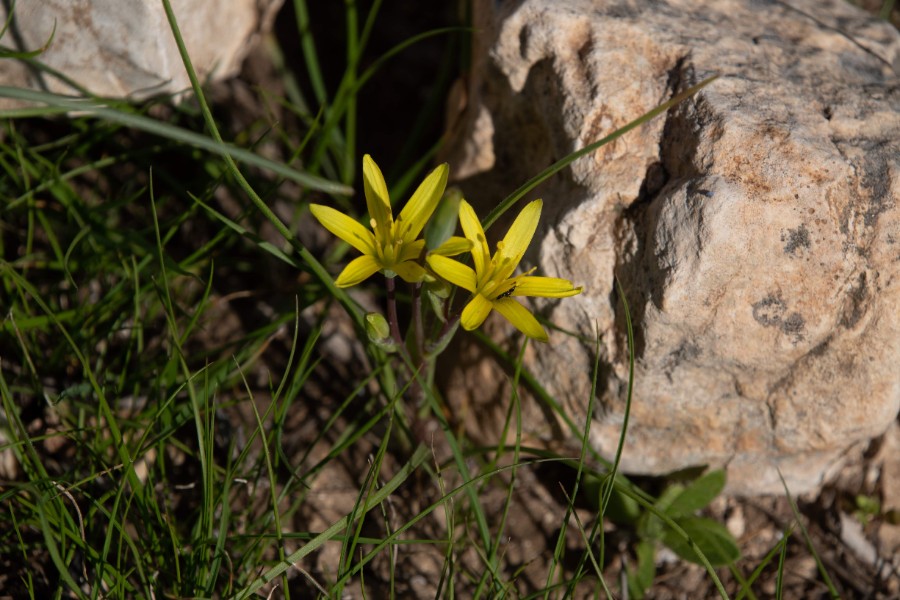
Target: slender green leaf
[95,108]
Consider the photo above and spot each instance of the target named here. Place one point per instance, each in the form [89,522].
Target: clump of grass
[172,409]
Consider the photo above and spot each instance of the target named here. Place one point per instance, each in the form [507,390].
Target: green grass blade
[57,104]
[105,409]
[778,550]
[562,163]
[310,57]
[621,445]
[832,590]
[598,523]
[314,265]
[329,534]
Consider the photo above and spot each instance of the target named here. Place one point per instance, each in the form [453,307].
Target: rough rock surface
[755,228]
[125,47]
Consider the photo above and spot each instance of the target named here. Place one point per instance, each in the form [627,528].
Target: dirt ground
[860,551]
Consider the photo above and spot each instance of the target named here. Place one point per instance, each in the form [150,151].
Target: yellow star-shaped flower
[491,282]
[392,246]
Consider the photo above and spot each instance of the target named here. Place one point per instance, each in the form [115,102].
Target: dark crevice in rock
[876,180]
[640,271]
[857,302]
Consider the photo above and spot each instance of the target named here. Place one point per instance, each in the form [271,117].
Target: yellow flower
[491,282]
[392,246]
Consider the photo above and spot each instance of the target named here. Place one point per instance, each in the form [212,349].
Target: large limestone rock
[755,228]
[125,47]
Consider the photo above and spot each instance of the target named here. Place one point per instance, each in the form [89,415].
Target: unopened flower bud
[379,332]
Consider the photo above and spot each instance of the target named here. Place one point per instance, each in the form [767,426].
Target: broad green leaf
[711,538]
[697,494]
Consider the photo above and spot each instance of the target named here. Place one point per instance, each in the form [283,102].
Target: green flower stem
[424,363]
[414,365]
[418,331]
[390,285]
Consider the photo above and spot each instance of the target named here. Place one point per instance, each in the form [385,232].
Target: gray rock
[755,228]
[122,48]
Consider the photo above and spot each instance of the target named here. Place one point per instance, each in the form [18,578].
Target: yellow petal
[517,239]
[357,270]
[424,200]
[453,271]
[410,271]
[453,246]
[377,198]
[471,226]
[344,227]
[545,287]
[411,251]
[521,318]
[475,312]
